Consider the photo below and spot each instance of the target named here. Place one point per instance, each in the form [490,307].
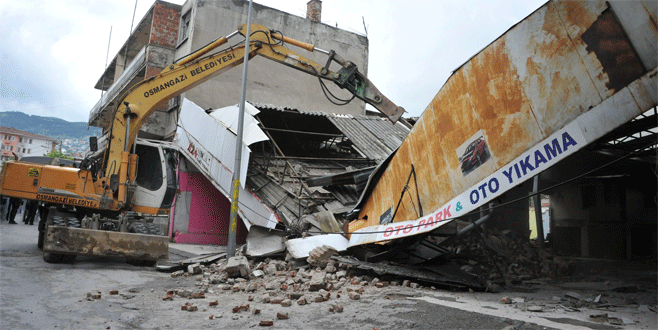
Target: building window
[20,140]
[30,141]
[13,138]
[184,32]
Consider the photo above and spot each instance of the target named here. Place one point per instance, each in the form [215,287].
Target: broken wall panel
[536,94]
[209,144]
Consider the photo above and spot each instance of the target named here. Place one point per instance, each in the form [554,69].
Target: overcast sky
[53,52]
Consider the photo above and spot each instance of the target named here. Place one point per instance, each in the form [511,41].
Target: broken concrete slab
[300,247]
[182,264]
[237,267]
[263,241]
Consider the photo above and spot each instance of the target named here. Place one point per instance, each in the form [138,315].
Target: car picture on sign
[473,153]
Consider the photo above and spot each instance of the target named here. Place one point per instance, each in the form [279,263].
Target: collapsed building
[168,32]
[304,170]
[312,172]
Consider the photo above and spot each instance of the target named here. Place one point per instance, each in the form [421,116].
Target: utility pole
[233,224]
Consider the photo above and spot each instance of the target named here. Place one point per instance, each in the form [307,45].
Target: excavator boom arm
[142,100]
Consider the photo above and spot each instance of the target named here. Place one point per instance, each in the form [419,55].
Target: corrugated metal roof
[370,145]
[373,136]
[284,190]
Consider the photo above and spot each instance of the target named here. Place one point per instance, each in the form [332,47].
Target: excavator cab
[155,181]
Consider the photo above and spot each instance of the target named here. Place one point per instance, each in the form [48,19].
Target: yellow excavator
[104,206]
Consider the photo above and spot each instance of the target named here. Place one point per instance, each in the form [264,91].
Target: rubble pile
[515,257]
[278,282]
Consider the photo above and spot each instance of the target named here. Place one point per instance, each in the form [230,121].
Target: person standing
[30,211]
[14,205]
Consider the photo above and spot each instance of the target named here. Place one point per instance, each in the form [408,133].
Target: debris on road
[319,257]
[237,267]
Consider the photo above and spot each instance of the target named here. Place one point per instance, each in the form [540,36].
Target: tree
[57,154]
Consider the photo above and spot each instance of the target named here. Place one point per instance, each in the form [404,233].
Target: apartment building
[168,32]
[22,143]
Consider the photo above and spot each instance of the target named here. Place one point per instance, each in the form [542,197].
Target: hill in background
[75,135]
[47,126]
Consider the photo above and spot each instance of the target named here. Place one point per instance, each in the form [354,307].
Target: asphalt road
[38,295]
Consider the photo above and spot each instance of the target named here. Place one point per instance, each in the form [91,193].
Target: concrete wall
[270,82]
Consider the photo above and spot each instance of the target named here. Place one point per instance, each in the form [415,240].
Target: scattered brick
[211,317]
[320,256]
[197,295]
[213,303]
[338,308]
[236,309]
[177,273]
[266,323]
[286,303]
[251,298]
[168,297]
[192,308]
[506,300]
[282,316]
[355,296]
[114,292]
[318,299]
[295,296]
[251,287]
[244,307]
[194,269]
[317,281]
[276,301]
[301,301]
[256,311]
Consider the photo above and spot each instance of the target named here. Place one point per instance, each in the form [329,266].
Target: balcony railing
[118,86]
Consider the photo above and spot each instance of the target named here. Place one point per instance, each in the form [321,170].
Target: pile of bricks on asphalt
[275,282]
[516,258]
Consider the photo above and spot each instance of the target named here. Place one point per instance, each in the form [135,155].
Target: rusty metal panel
[553,83]
[102,243]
